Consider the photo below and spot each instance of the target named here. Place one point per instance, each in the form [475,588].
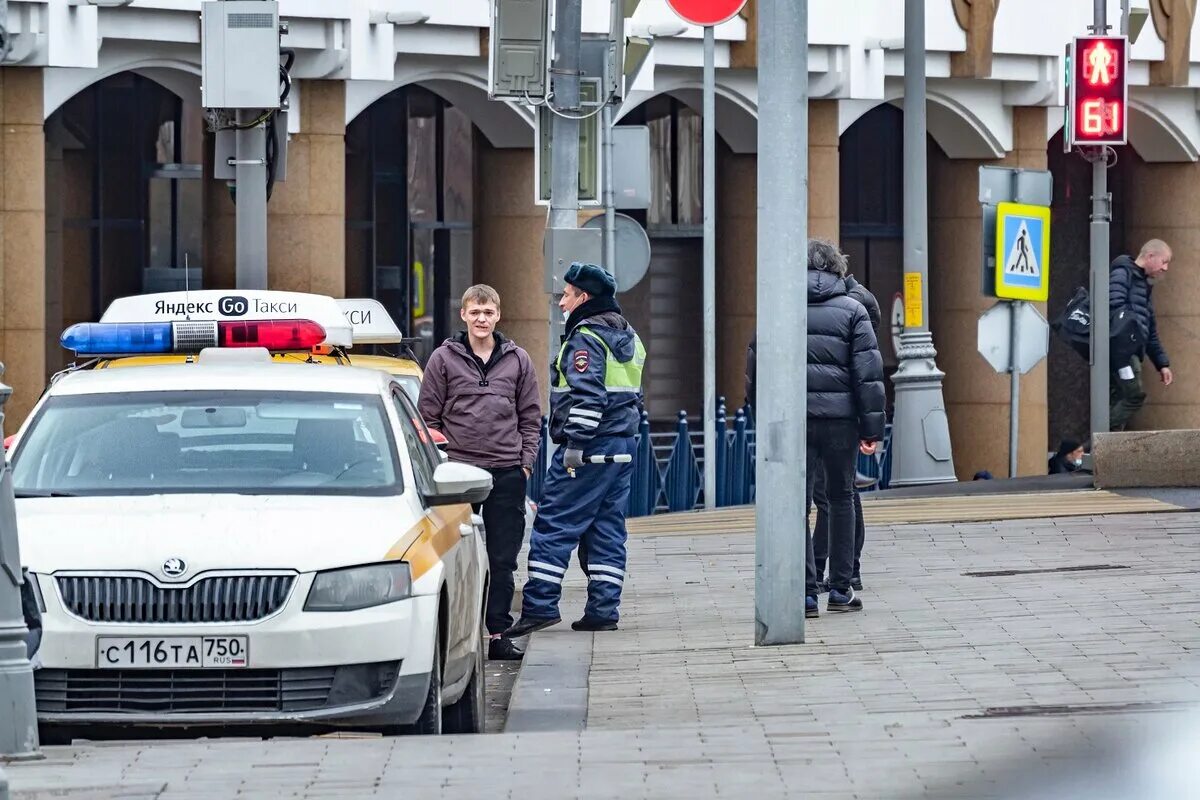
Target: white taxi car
[243,542]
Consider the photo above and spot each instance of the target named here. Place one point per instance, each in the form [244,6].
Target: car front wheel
[469,714]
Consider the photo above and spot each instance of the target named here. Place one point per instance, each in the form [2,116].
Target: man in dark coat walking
[1131,282]
[845,412]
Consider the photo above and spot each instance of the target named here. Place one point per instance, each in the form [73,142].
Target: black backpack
[1074,326]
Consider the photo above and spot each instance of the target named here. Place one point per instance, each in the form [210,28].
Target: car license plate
[172,652]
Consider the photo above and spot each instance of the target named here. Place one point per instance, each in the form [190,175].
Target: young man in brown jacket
[481,392]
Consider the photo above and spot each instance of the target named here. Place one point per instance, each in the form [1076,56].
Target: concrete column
[56,357]
[508,248]
[737,231]
[977,398]
[23,237]
[306,216]
[1160,203]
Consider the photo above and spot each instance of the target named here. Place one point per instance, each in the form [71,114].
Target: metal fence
[668,465]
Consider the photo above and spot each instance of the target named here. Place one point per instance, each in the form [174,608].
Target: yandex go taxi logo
[1099,90]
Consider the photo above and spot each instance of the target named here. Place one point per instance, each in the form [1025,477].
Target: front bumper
[351,696]
[359,668]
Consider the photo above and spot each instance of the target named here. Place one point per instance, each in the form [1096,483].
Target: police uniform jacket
[596,381]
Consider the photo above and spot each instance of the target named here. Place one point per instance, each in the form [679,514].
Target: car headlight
[360,587]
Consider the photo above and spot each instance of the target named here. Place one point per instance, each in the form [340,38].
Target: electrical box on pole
[240,54]
[1098,91]
[518,49]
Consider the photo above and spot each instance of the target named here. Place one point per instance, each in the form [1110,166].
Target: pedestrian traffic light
[1099,90]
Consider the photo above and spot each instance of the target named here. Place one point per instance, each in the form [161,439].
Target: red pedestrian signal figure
[1098,90]
[1100,64]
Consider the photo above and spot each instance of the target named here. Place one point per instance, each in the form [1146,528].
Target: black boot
[587,623]
[527,625]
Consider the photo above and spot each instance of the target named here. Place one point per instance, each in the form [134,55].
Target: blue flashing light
[118,338]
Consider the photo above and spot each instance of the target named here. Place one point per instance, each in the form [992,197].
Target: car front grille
[224,598]
[208,691]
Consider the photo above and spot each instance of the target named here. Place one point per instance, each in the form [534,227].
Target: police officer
[595,408]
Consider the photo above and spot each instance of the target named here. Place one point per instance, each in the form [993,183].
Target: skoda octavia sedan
[241,542]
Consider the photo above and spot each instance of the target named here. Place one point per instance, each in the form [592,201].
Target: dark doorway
[410,176]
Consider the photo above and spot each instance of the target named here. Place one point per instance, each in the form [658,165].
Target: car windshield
[204,442]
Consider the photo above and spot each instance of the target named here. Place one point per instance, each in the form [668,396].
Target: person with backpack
[1131,281]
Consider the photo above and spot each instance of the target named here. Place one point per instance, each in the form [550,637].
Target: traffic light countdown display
[1099,90]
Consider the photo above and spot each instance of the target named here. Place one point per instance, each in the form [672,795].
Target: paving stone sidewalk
[990,657]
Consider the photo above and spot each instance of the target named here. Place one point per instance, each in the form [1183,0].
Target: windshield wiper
[23,493]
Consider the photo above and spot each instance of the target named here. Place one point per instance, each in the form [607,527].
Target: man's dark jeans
[504,523]
[821,532]
[833,451]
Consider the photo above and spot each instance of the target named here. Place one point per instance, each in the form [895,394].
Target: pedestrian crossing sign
[1022,252]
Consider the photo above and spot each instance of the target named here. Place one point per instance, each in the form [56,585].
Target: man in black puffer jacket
[821,532]
[845,412]
[1130,284]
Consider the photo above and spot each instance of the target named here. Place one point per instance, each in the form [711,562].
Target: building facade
[405,182]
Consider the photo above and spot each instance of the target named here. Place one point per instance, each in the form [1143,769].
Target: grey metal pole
[710,268]
[920,431]
[1014,399]
[782,414]
[610,208]
[251,174]
[1101,216]
[564,134]
[18,715]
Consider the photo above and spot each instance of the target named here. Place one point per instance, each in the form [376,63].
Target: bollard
[18,722]
[682,470]
[643,494]
[722,456]
[741,461]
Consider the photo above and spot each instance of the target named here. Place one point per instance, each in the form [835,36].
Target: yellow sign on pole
[1022,252]
[914,306]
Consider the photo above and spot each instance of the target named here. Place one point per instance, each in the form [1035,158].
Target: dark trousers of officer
[821,531]
[588,508]
[504,525]
[833,451]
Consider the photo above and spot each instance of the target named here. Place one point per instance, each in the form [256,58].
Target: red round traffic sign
[706,12]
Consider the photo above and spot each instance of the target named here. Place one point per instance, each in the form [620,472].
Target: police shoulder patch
[581,360]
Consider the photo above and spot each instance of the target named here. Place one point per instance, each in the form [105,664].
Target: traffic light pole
[1099,241]
[564,134]
[18,718]
[921,452]
[782,413]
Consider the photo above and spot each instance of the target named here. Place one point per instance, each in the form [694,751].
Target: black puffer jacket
[863,295]
[1129,289]
[845,368]
[853,288]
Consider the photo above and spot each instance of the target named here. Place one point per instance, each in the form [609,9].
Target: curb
[551,692]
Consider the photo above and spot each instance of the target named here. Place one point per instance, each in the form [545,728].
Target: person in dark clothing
[845,413]
[480,390]
[821,531]
[1068,458]
[1130,284]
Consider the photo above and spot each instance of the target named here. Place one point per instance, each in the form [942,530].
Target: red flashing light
[1099,90]
[282,334]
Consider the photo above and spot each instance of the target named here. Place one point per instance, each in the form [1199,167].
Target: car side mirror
[455,484]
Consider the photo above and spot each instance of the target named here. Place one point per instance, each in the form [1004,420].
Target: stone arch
[737,114]
[969,121]
[179,76]
[504,124]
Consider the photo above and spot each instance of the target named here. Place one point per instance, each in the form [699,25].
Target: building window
[676,165]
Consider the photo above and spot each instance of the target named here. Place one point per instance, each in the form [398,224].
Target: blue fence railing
[669,465]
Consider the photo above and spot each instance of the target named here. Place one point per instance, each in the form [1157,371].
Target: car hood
[210,532]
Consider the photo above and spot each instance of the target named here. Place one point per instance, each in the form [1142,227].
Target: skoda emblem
[174,567]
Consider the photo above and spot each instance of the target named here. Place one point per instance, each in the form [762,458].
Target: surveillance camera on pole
[245,91]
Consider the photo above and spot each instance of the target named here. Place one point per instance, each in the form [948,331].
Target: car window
[417,439]
[411,385]
[208,442]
